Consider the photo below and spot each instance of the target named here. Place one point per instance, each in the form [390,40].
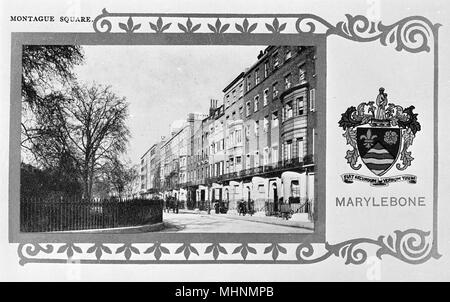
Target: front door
[202,195]
[275,198]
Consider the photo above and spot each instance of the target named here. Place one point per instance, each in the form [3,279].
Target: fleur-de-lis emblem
[368,139]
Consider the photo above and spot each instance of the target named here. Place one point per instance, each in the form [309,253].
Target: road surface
[222,223]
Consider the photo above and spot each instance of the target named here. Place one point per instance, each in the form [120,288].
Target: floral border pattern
[412,34]
[412,246]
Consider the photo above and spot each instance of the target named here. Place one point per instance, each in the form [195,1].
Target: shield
[378,147]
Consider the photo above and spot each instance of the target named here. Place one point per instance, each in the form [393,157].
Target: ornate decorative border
[411,246]
[412,34]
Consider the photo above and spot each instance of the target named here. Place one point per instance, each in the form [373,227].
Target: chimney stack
[213,107]
[261,53]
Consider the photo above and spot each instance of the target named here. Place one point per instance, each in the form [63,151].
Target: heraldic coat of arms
[380,133]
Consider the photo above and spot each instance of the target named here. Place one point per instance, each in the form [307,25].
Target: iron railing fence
[302,205]
[68,214]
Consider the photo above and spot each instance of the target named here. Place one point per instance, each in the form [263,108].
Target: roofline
[154,145]
[178,132]
[241,75]
[262,58]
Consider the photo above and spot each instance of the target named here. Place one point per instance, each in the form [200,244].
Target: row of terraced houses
[257,145]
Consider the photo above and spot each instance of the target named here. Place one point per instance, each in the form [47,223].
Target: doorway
[202,195]
[275,197]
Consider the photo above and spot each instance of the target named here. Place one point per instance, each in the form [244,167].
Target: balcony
[306,162]
[273,169]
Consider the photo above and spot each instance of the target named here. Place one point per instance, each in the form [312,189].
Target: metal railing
[272,167]
[288,209]
[45,215]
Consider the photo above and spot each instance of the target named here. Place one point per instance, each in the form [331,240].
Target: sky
[163,83]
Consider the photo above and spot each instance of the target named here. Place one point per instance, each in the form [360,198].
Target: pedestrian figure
[216,207]
[169,206]
[176,205]
[251,207]
[242,209]
[173,205]
[166,205]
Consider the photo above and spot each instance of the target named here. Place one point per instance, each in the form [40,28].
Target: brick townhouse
[256,147]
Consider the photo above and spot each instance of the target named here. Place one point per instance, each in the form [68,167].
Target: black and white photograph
[224,141]
[131,139]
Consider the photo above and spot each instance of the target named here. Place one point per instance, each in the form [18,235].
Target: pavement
[187,221]
[156,227]
[190,221]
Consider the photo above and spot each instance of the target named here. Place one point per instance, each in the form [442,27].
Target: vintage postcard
[225,140]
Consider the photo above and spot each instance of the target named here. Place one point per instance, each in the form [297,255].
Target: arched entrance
[275,197]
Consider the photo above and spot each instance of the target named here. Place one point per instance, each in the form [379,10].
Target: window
[241,111]
[275,119]
[247,131]
[256,127]
[300,106]
[301,148]
[247,107]
[287,81]
[288,110]
[276,61]
[312,99]
[275,154]
[266,156]
[256,159]
[295,189]
[266,69]
[261,189]
[266,123]
[239,136]
[313,140]
[256,103]
[288,150]
[266,97]
[301,74]
[227,100]
[238,160]
[249,83]
[257,77]
[247,161]
[274,90]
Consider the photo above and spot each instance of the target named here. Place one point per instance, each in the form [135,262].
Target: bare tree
[120,176]
[43,66]
[85,123]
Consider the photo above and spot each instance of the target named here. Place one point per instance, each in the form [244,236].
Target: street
[186,222]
